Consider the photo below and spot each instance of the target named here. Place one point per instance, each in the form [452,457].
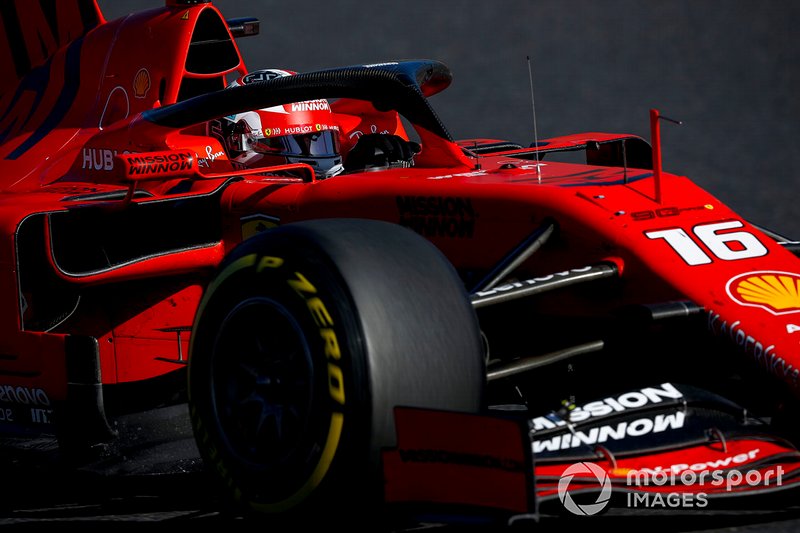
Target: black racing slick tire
[303,344]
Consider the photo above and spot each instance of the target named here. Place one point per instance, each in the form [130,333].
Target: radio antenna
[535,132]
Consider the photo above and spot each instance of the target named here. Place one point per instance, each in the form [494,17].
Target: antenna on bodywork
[535,132]
[655,139]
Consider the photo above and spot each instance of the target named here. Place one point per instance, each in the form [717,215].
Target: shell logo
[777,292]
[141,83]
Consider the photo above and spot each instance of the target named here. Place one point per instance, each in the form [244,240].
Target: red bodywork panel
[95,242]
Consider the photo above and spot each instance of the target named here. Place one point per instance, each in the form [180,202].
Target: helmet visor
[318,143]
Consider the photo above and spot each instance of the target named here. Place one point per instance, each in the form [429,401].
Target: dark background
[728,69]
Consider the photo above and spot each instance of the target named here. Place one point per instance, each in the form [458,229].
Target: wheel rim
[262,383]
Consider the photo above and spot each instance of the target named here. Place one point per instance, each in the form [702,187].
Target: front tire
[304,343]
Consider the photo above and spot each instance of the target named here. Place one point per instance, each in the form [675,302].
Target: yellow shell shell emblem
[777,292]
[141,83]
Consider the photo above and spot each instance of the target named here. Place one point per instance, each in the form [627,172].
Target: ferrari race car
[476,327]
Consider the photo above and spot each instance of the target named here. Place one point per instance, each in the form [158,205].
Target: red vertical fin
[655,138]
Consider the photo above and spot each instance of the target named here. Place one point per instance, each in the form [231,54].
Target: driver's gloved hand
[376,150]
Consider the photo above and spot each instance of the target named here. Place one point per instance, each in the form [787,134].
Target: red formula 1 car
[474,325]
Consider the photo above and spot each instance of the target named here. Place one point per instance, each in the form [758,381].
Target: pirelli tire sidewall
[293,281]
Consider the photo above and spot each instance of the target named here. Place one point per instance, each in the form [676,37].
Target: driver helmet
[299,132]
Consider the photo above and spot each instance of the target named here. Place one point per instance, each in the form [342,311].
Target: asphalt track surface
[728,70]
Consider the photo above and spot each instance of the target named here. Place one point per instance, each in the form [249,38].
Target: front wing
[662,447]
